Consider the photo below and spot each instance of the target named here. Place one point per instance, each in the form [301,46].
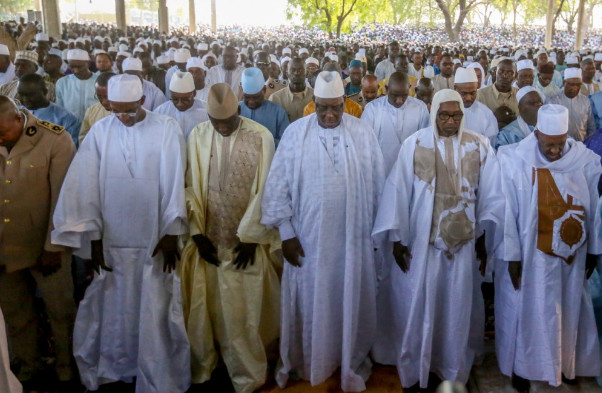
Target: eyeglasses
[128,114]
[183,100]
[262,63]
[446,116]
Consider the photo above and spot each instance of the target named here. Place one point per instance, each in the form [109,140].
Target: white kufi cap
[125,88]
[553,119]
[572,60]
[523,91]
[465,75]
[329,85]
[194,62]
[312,60]
[571,73]
[78,54]
[524,65]
[4,50]
[181,82]
[131,64]
[182,55]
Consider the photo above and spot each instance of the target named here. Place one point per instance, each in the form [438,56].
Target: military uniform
[274,85]
[358,98]
[31,175]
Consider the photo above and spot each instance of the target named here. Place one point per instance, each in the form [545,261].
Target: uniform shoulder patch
[271,85]
[31,131]
[353,95]
[281,82]
[51,126]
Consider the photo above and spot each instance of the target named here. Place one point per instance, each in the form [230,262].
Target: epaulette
[51,126]
[353,95]
[281,82]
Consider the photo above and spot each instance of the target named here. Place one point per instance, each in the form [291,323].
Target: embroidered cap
[553,120]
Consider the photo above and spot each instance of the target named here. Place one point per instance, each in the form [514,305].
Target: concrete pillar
[191,17]
[549,21]
[580,22]
[163,17]
[120,16]
[38,5]
[52,18]
[213,17]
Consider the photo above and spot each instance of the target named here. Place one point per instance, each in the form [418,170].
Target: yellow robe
[234,311]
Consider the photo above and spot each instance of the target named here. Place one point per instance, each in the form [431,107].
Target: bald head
[398,78]
[369,87]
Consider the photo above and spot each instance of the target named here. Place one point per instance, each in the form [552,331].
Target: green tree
[330,15]
[16,6]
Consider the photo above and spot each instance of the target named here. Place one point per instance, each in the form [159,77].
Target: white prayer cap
[552,54]
[582,52]
[123,39]
[312,60]
[457,61]
[524,65]
[124,54]
[186,46]
[572,73]
[429,72]
[598,57]
[523,91]
[162,59]
[572,60]
[123,48]
[181,82]
[54,52]
[287,50]
[80,40]
[181,55]
[194,62]
[98,52]
[362,51]
[543,51]
[4,50]
[588,57]
[303,50]
[329,85]
[138,50]
[552,60]
[334,58]
[519,53]
[131,64]
[465,75]
[284,60]
[202,46]
[78,54]
[252,80]
[274,59]
[98,38]
[125,88]
[492,52]
[42,37]
[157,42]
[112,49]
[465,64]
[553,119]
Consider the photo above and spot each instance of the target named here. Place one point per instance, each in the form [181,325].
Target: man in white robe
[122,206]
[153,96]
[395,117]
[183,106]
[440,200]
[386,67]
[322,192]
[7,68]
[581,117]
[477,116]
[228,72]
[545,325]
[76,92]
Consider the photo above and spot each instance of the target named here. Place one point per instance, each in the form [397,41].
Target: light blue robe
[510,134]
[76,95]
[59,116]
[270,115]
[596,102]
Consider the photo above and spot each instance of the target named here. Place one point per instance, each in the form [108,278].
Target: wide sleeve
[78,217]
[171,182]
[61,156]
[594,222]
[393,217]
[197,177]
[512,245]
[277,203]
[282,123]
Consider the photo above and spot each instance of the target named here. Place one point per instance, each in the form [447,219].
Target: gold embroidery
[227,206]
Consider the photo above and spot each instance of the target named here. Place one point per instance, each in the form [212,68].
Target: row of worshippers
[429,195]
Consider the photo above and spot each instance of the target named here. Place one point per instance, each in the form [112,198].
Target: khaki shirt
[273,85]
[293,103]
[491,97]
[31,175]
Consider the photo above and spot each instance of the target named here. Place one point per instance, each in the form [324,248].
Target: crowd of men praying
[284,208]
